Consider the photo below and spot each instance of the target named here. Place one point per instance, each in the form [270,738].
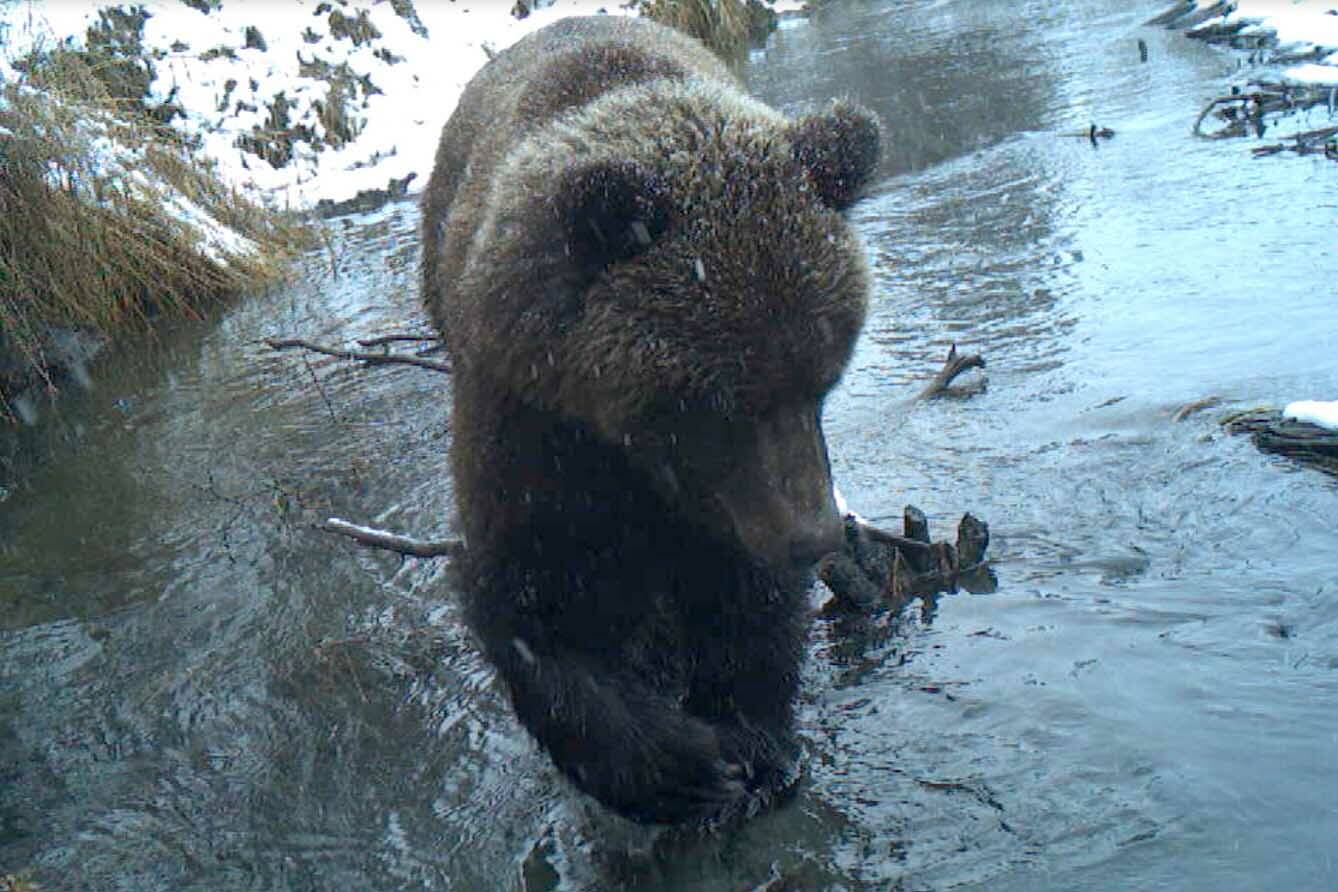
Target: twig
[1199,405]
[394,338]
[374,538]
[320,388]
[358,356]
[1311,142]
[953,366]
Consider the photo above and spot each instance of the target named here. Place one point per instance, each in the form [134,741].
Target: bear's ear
[839,148]
[613,211]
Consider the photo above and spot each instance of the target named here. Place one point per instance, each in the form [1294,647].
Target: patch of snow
[226,89]
[843,508]
[1299,26]
[1324,414]
[203,65]
[1312,73]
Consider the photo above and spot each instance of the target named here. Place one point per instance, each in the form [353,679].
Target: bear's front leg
[618,740]
[745,679]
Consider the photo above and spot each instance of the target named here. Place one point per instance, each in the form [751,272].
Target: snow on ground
[404,74]
[1324,414]
[1300,26]
[213,66]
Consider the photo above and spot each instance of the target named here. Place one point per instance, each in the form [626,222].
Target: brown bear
[647,290]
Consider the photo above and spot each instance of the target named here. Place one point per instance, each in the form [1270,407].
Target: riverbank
[1297,41]
[156,158]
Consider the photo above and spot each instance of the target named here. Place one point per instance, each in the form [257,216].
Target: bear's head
[696,297]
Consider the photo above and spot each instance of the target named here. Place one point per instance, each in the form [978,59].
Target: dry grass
[87,240]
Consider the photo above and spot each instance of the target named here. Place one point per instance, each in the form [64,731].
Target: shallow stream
[198,691]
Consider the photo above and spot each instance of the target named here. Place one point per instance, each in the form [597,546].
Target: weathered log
[1301,441]
[1187,14]
[881,570]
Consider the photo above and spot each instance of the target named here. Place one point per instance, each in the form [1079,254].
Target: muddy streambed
[197,691]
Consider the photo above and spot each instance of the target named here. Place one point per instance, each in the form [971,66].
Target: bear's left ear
[613,211]
[839,148]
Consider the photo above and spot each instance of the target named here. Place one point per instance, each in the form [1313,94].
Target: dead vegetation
[108,221]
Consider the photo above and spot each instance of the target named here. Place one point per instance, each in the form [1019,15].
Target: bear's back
[554,71]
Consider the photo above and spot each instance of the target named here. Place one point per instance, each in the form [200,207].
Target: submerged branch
[954,365]
[1323,141]
[382,340]
[358,356]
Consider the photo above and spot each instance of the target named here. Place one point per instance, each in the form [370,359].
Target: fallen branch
[395,338]
[1093,132]
[387,541]
[953,366]
[877,568]
[358,356]
[1244,111]
[1323,141]
[1188,409]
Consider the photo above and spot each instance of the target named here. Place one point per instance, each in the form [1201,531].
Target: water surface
[199,691]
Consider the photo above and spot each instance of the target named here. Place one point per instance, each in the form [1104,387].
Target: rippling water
[198,691]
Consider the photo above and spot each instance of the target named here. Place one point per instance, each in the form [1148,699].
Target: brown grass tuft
[89,237]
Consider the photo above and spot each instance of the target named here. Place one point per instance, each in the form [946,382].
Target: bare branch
[374,538]
[394,338]
[953,366]
[357,356]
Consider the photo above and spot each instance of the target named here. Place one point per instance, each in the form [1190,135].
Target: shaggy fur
[647,290]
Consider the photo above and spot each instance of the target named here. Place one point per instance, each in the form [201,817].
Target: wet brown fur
[632,262]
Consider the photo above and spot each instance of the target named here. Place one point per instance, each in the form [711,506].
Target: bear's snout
[778,497]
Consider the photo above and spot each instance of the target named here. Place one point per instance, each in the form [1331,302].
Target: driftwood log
[1248,111]
[878,569]
[1301,441]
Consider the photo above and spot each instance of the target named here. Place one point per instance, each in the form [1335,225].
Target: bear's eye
[614,210]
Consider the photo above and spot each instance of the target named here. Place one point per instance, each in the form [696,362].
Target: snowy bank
[300,100]
[309,99]
[1317,412]
[1303,34]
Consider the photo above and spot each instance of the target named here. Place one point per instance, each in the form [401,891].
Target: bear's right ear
[839,148]
[613,211]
